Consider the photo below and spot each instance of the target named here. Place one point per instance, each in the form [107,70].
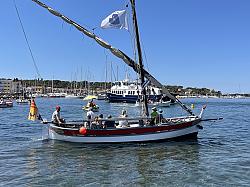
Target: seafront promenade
[14,88]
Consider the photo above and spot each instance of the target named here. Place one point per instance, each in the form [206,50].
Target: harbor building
[9,86]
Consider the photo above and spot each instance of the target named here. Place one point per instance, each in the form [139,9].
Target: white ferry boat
[130,91]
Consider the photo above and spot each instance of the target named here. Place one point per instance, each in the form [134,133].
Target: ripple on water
[219,156]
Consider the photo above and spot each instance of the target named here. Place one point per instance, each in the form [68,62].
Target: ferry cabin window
[133,92]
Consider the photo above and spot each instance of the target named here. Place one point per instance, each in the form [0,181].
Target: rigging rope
[118,53]
[26,39]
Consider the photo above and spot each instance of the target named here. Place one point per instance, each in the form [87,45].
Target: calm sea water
[220,156]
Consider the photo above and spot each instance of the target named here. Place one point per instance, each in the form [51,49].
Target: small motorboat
[72,96]
[22,101]
[91,104]
[101,97]
[6,103]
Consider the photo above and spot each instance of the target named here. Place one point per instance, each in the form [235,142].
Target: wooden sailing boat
[139,129]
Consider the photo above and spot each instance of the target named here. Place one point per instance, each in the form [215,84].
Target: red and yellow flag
[33,114]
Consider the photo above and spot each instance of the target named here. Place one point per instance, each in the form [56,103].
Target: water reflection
[120,164]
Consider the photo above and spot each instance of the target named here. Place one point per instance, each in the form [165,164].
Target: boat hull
[145,134]
[115,98]
[6,104]
[22,101]
[94,109]
[156,104]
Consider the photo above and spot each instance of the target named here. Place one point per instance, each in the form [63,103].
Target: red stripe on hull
[126,131]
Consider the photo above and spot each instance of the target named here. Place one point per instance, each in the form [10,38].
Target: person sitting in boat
[91,103]
[56,116]
[110,123]
[123,123]
[99,123]
[154,116]
[161,119]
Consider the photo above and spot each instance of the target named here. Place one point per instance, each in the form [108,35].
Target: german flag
[33,114]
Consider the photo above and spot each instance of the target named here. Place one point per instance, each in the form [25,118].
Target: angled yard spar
[118,53]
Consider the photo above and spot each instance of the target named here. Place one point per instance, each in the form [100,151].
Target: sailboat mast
[141,72]
[117,52]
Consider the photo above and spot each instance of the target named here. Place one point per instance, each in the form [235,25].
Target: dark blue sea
[219,157]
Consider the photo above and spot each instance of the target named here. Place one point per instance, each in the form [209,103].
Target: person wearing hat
[56,116]
[154,116]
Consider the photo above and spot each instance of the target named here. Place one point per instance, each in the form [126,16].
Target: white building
[9,86]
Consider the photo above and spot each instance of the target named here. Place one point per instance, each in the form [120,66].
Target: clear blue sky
[198,43]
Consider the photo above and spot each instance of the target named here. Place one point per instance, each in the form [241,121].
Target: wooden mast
[142,76]
[116,52]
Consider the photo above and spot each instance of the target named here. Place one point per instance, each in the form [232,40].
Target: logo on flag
[114,20]
[117,19]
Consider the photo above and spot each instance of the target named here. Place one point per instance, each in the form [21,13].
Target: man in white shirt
[90,116]
[123,123]
[56,117]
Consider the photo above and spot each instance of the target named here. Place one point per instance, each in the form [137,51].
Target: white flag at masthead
[117,19]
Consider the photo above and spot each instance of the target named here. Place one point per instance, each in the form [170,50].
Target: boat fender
[82,130]
[199,127]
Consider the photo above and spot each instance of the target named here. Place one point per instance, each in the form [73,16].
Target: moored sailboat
[6,103]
